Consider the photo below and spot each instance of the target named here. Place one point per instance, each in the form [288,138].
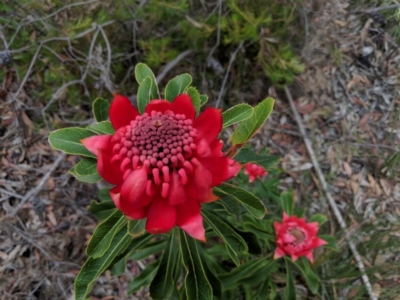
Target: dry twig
[331,201]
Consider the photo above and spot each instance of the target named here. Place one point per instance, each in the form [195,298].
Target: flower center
[298,235]
[161,142]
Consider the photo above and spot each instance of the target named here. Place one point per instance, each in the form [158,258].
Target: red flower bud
[296,238]
[254,171]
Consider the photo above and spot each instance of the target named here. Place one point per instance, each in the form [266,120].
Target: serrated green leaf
[104,127]
[203,100]
[195,96]
[287,202]
[290,289]
[103,209]
[247,128]
[164,282]
[247,199]
[68,140]
[136,227]
[232,240]
[88,178]
[93,267]
[141,72]
[236,114]
[100,108]
[319,218]
[247,155]
[144,94]
[104,233]
[231,205]
[196,283]
[144,279]
[330,240]
[309,275]
[177,86]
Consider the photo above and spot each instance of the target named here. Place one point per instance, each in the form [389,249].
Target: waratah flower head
[296,238]
[254,171]
[163,163]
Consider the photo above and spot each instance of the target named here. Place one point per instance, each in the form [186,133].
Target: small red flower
[296,238]
[254,171]
[163,163]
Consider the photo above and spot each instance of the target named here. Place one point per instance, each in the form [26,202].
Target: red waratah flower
[163,163]
[296,238]
[254,171]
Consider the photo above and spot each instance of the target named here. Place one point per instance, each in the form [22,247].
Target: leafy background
[56,57]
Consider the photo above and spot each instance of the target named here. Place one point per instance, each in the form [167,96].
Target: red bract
[254,171]
[296,238]
[163,163]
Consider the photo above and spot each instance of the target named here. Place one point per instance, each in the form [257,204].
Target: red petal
[96,142]
[190,220]
[130,211]
[209,124]
[158,105]
[220,168]
[108,170]
[133,188]
[216,147]
[122,112]
[177,192]
[279,253]
[183,104]
[161,217]
[115,194]
[208,197]
[203,148]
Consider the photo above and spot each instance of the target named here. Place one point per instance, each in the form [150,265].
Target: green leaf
[260,272]
[93,267]
[249,127]
[136,227]
[86,166]
[231,205]
[144,94]
[251,240]
[230,280]
[68,140]
[103,209]
[319,218]
[287,202]
[330,240]
[177,86]
[203,100]
[145,277]
[104,127]
[247,155]
[233,241]
[164,282]
[100,109]
[311,278]
[104,194]
[141,72]
[290,289]
[196,283]
[104,233]
[195,96]
[147,250]
[247,199]
[236,114]
[89,178]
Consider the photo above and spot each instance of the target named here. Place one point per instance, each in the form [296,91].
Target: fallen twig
[331,201]
[33,192]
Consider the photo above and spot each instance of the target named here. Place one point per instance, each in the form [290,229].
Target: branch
[332,202]
[33,192]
